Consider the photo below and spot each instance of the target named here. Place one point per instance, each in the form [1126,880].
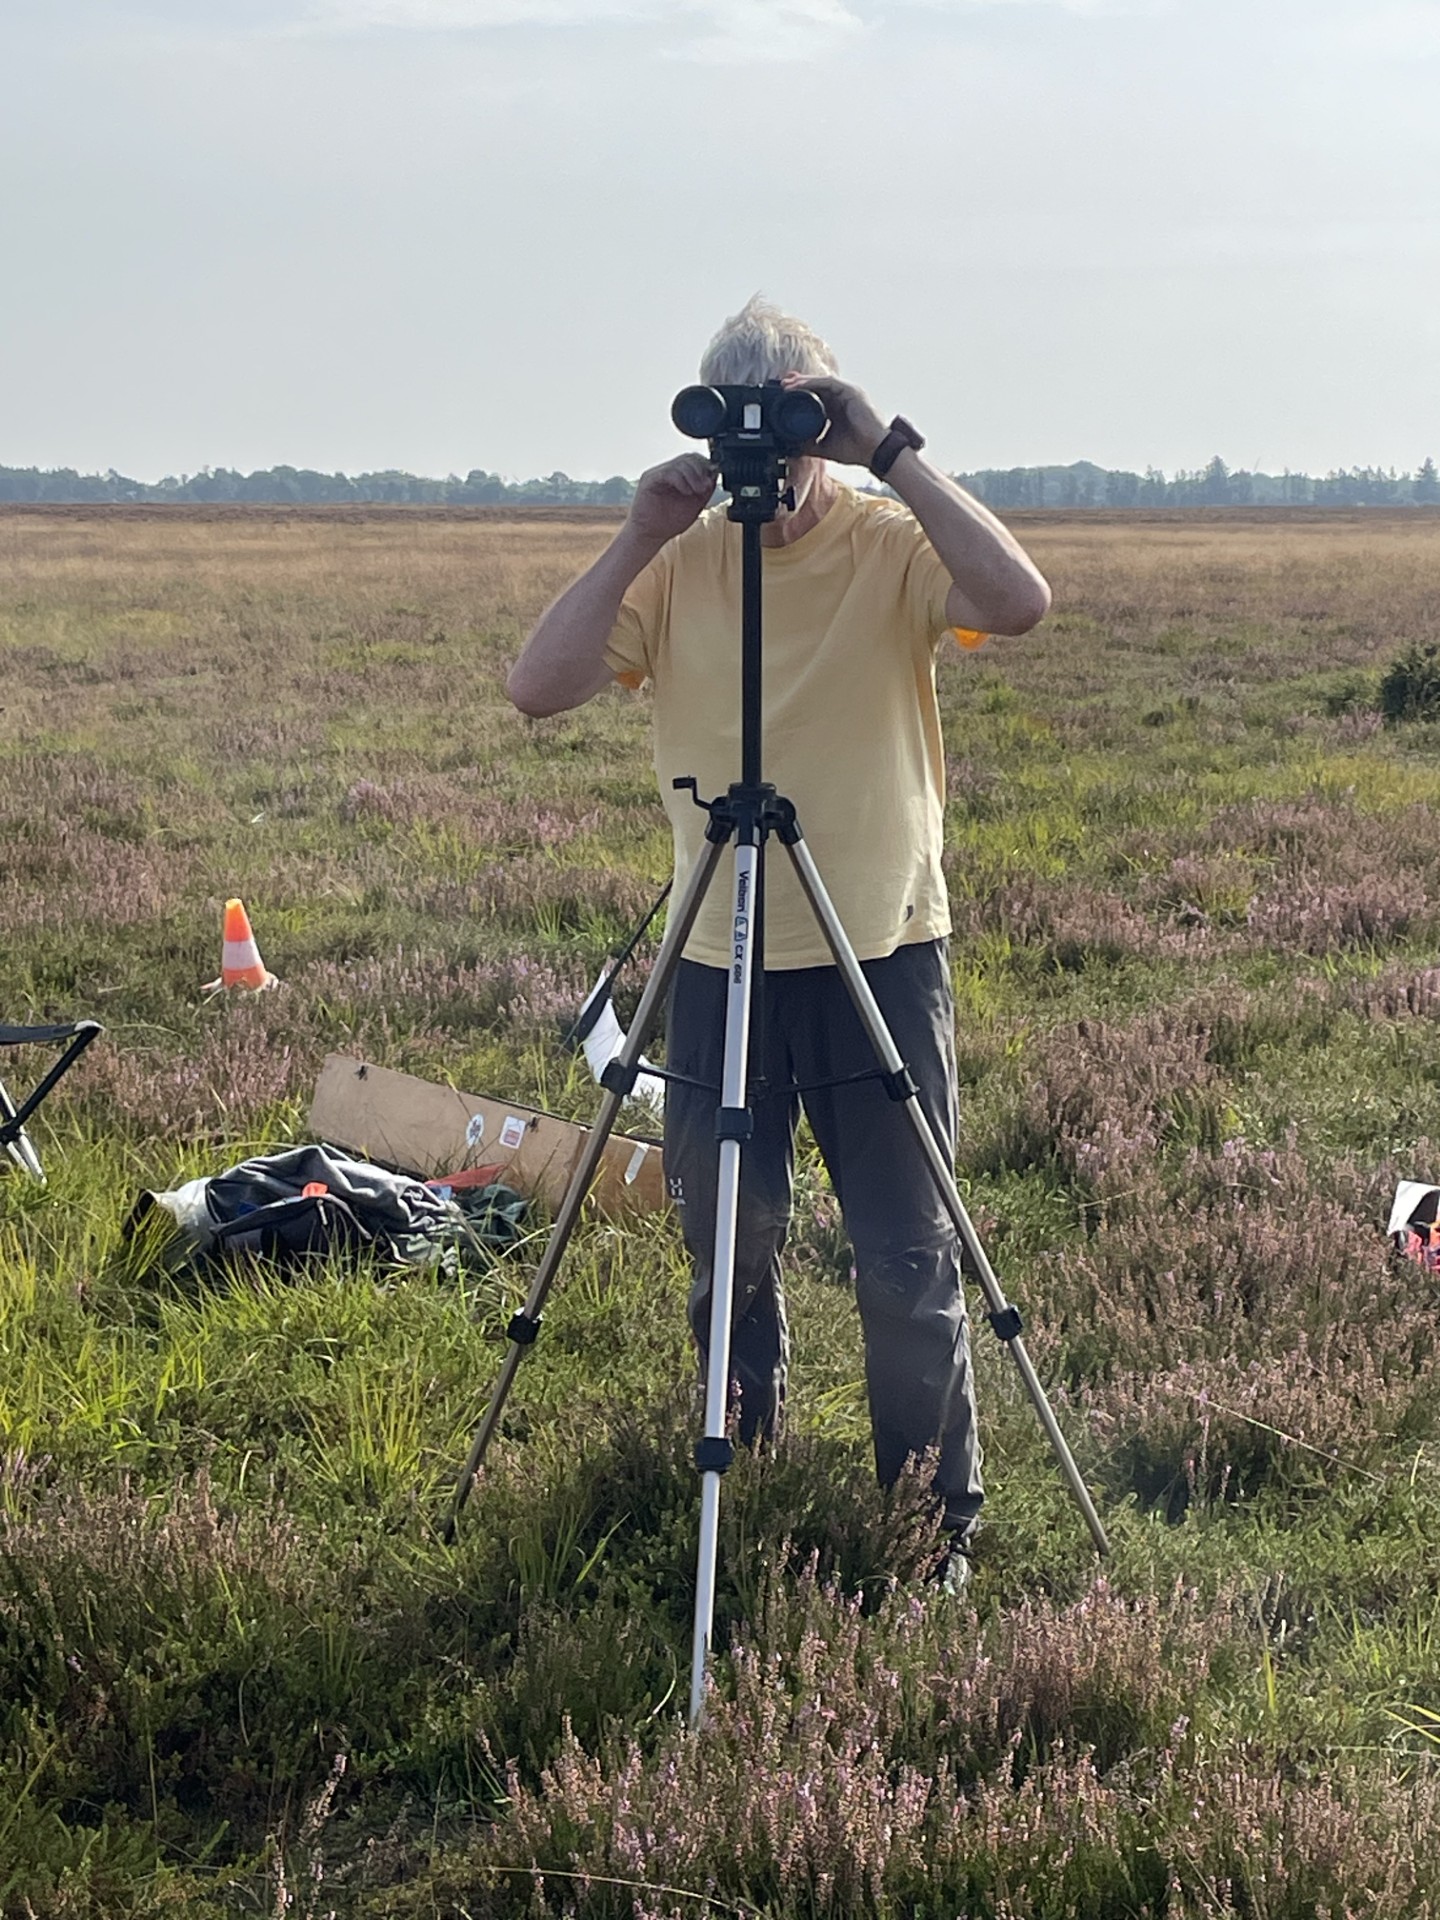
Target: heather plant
[1195,888]
[1338,881]
[1202,890]
[1071,928]
[1107,1098]
[1250,1327]
[796,1798]
[830,1828]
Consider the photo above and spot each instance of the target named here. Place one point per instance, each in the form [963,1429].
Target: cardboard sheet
[420,1127]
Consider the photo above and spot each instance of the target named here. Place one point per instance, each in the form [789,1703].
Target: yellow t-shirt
[852,614]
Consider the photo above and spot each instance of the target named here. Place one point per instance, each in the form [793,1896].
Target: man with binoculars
[861,594]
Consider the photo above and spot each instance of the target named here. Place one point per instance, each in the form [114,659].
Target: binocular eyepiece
[780,419]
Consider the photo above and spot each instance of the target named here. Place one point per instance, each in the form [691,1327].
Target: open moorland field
[1196,890]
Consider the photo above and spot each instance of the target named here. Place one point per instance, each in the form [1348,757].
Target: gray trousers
[907,1253]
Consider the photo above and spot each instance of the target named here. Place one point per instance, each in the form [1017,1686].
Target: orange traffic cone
[240,962]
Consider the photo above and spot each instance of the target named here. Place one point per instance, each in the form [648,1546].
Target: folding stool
[13,1137]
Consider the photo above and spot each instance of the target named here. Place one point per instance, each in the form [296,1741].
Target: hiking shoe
[952,1576]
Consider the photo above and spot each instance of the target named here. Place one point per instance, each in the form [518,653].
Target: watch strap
[900,436]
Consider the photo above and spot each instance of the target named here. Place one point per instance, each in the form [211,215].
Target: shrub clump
[1410,685]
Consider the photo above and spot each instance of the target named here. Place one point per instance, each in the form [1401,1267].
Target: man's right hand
[562,664]
[671,497]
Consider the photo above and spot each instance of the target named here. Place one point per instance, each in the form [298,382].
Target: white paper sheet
[604,1041]
[1408,1196]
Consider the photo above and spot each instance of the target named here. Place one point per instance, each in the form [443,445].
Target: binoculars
[752,432]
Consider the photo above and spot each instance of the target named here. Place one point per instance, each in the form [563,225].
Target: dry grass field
[1196,891]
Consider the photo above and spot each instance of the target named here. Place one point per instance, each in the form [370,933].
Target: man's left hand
[855,430]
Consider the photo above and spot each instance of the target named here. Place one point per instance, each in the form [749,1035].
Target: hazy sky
[444,234]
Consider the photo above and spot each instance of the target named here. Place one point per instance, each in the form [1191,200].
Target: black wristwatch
[900,436]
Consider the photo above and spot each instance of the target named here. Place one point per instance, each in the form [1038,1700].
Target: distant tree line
[1216,485]
[1082,484]
[301,486]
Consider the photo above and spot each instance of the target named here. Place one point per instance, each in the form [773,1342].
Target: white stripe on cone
[240,956]
[237,959]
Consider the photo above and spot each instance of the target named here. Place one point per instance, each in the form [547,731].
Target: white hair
[760,343]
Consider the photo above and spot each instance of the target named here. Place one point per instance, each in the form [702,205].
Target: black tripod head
[754,432]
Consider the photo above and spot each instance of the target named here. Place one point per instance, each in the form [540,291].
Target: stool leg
[20,1148]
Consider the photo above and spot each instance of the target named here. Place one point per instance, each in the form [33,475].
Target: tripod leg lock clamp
[1008,1325]
[713,1456]
[783,820]
[524,1328]
[734,1123]
[620,1080]
[900,1085]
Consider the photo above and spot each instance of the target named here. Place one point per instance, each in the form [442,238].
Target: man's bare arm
[996,586]
[562,664]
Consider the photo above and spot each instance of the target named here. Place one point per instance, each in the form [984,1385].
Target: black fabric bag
[284,1230]
[303,1204]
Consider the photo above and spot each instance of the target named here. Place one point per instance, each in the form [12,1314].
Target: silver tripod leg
[20,1149]
[732,1125]
[1003,1317]
[526,1323]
